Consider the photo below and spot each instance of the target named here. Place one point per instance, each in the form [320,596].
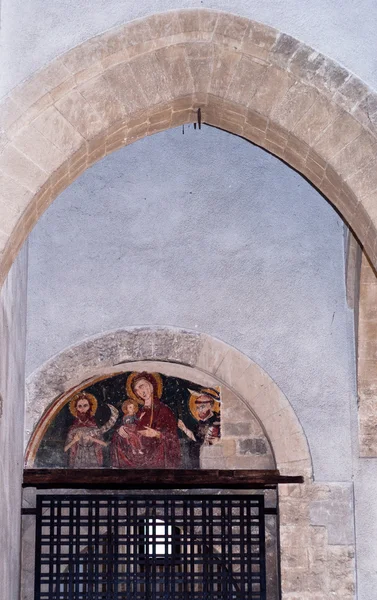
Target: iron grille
[150,547]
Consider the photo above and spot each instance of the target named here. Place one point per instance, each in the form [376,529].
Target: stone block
[81,114]
[224,65]
[200,60]
[189,20]
[259,35]
[283,50]
[177,73]
[229,447]
[236,429]
[366,112]
[207,20]
[271,90]
[357,154]
[297,467]
[230,29]
[10,113]
[252,446]
[210,354]
[33,144]
[296,102]
[85,55]
[341,569]
[337,135]
[256,120]
[305,63]
[22,169]
[103,99]
[353,90]
[52,125]
[255,461]
[245,81]
[336,514]
[330,76]
[12,193]
[314,122]
[164,25]
[232,367]
[214,452]
[294,545]
[364,182]
[126,88]
[8,220]
[294,511]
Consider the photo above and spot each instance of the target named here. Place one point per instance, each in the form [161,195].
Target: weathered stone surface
[81,114]
[12,344]
[232,67]
[336,514]
[236,429]
[52,125]
[337,135]
[45,154]
[252,446]
[283,50]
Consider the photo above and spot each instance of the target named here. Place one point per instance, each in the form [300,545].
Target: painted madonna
[148,435]
[128,420]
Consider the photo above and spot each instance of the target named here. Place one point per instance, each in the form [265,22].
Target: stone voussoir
[159,59]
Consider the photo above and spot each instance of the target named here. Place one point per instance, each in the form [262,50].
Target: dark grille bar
[150,548]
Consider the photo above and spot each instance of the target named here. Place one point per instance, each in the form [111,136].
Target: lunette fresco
[133,420]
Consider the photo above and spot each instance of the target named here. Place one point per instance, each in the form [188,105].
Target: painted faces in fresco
[153,426]
[160,422]
[84,440]
[207,429]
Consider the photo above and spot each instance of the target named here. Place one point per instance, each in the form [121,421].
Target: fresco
[132,421]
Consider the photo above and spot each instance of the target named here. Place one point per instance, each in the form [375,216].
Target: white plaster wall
[36,31]
[12,384]
[207,232]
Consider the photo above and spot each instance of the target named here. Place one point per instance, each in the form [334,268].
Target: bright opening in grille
[159,537]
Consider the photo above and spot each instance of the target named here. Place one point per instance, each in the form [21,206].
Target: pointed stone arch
[155,73]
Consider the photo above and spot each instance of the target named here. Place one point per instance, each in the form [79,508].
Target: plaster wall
[12,383]
[205,231]
[36,31]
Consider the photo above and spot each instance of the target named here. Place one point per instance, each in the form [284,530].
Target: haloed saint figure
[148,434]
[129,420]
[84,439]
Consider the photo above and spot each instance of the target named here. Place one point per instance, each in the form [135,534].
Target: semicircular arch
[187,352]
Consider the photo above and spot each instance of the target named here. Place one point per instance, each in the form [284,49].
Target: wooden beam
[154,478]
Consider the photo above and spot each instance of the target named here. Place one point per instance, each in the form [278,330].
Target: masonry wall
[12,384]
[204,231]
[207,232]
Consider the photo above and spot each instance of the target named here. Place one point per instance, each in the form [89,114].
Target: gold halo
[131,394]
[192,403]
[127,401]
[84,395]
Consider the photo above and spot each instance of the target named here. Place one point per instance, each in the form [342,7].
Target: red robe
[162,452]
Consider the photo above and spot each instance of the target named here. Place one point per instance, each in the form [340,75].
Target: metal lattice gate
[150,547]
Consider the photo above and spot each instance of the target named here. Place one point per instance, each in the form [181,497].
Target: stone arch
[187,350]
[246,78]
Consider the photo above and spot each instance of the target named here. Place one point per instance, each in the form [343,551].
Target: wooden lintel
[154,478]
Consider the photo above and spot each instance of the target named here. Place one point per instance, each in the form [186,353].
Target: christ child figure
[128,429]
